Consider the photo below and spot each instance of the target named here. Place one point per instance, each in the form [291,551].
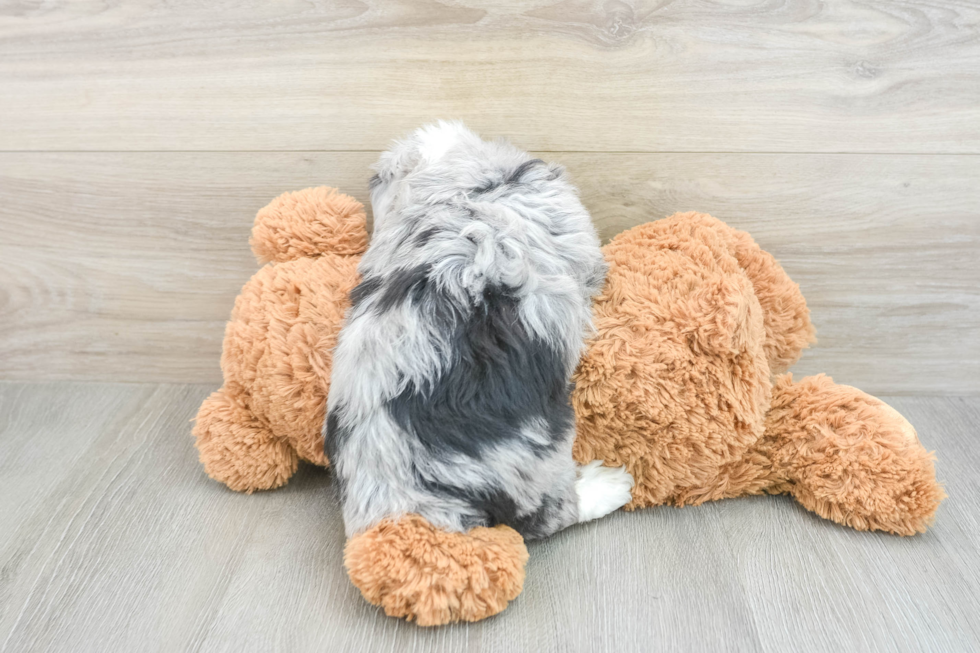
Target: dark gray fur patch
[493,184]
[423,237]
[334,437]
[518,173]
[407,284]
[516,176]
[499,507]
[500,379]
[367,287]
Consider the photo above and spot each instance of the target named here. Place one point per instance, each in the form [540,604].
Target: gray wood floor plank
[113,539]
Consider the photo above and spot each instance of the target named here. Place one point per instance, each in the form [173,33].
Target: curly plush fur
[693,319]
[279,342]
[676,386]
[451,373]
[416,571]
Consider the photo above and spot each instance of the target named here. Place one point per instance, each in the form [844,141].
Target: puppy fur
[449,394]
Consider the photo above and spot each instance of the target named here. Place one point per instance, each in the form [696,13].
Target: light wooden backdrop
[137,140]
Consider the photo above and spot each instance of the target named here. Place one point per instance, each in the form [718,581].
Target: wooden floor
[113,539]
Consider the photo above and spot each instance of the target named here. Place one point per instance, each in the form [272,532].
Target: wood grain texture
[124,266]
[616,75]
[114,539]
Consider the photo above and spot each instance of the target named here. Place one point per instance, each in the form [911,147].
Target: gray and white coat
[449,395]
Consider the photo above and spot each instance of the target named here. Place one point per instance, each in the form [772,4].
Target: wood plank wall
[137,140]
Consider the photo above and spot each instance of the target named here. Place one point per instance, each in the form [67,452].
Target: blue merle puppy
[450,389]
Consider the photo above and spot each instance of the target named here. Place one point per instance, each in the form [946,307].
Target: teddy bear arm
[238,450]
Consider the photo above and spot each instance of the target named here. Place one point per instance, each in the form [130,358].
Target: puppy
[450,389]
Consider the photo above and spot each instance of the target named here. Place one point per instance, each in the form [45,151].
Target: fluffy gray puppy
[449,396]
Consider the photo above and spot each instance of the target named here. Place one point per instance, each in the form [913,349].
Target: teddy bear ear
[785,313]
[309,223]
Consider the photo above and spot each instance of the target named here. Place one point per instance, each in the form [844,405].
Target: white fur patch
[437,139]
[601,490]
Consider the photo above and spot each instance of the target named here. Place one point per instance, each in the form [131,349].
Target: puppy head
[425,148]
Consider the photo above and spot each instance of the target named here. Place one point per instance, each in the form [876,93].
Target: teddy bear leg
[419,572]
[238,450]
[850,457]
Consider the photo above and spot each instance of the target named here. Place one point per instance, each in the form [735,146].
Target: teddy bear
[683,383]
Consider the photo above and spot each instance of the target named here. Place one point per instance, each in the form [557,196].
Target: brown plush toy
[677,385]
